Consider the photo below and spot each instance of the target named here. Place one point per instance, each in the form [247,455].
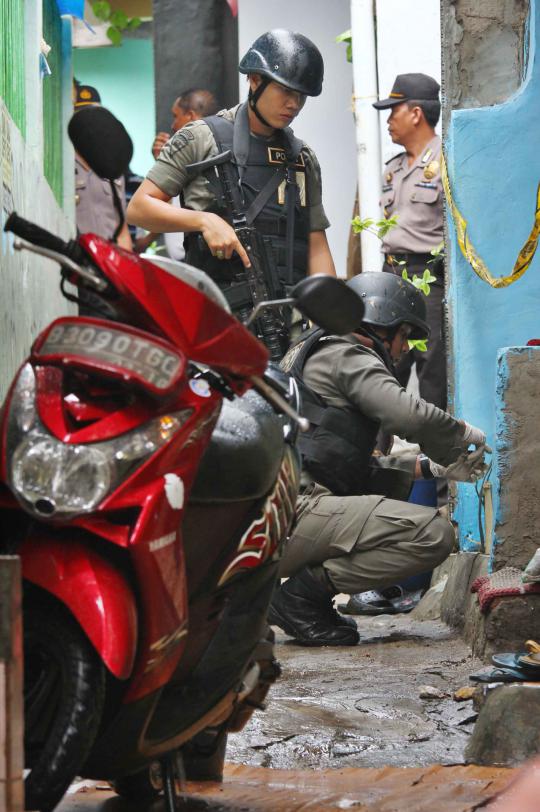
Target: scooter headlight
[55,479]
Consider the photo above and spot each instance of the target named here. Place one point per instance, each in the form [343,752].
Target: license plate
[133,355]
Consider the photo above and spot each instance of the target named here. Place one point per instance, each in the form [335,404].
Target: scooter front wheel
[64,691]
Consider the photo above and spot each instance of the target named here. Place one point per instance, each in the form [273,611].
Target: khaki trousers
[365,542]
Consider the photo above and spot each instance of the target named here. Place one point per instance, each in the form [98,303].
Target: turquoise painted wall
[124,77]
[494,167]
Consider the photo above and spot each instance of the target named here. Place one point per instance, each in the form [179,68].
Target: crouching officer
[271,180]
[349,536]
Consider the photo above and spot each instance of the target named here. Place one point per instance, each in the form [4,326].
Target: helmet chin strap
[253,98]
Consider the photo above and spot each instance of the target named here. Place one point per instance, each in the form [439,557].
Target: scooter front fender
[95,592]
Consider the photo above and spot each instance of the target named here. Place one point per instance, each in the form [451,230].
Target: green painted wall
[124,77]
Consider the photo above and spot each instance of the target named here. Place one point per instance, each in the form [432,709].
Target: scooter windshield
[191,320]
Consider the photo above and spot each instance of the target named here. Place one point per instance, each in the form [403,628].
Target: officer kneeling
[349,536]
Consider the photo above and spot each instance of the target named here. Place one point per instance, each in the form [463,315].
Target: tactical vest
[266,160]
[337,448]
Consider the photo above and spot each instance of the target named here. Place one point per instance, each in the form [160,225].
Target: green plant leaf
[119,19]
[384,226]
[101,9]
[114,35]
[359,225]
[345,36]
[405,275]
[419,344]
[134,23]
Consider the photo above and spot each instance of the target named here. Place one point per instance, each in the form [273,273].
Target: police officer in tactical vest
[351,532]
[272,177]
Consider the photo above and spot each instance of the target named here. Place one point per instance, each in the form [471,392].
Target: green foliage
[154,248]
[346,36]
[384,226]
[421,282]
[419,344]
[379,228]
[118,20]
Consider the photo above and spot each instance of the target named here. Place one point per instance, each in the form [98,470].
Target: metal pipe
[368,139]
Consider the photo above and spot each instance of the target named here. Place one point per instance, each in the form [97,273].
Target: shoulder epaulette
[393,158]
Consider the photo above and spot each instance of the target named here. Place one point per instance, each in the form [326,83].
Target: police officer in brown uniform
[412,190]
[274,176]
[97,204]
[351,532]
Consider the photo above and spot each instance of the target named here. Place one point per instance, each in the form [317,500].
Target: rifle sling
[290,201]
[264,196]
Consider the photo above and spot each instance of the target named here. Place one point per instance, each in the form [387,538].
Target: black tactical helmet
[288,58]
[390,301]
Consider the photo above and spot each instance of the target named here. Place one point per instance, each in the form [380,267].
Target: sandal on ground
[503,675]
[372,602]
[511,659]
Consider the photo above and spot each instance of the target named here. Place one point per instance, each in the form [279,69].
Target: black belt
[415,258]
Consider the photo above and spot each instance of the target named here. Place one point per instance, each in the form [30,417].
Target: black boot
[303,608]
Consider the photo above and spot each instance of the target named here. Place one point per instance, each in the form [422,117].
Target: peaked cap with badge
[85,95]
[410,87]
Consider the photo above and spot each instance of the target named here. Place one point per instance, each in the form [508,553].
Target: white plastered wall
[408,41]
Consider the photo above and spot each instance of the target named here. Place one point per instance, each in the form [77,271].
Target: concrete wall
[124,77]
[326,122]
[494,168]
[517,530]
[485,50]
[29,295]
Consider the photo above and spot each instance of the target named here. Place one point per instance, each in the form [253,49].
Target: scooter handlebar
[36,235]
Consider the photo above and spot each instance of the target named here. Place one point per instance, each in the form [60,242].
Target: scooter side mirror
[329,303]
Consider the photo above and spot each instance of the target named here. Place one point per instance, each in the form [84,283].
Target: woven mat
[502,584]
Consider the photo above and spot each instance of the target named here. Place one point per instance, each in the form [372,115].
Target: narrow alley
[339,725]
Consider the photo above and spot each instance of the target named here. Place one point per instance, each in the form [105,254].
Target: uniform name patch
[276,155]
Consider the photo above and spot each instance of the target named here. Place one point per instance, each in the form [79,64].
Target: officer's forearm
[320,259]
[153,212]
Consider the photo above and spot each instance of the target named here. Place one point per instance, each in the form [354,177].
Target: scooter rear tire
[64,691]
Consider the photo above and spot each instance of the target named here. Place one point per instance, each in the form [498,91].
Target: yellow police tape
[469,252]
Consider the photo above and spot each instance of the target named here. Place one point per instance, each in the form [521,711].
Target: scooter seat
[244,455]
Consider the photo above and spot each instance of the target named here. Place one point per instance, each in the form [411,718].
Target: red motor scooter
[147,492]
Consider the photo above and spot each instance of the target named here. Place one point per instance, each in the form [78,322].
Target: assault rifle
[266,319]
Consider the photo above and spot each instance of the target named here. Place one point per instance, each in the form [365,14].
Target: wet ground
[385,704]
[362,706]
